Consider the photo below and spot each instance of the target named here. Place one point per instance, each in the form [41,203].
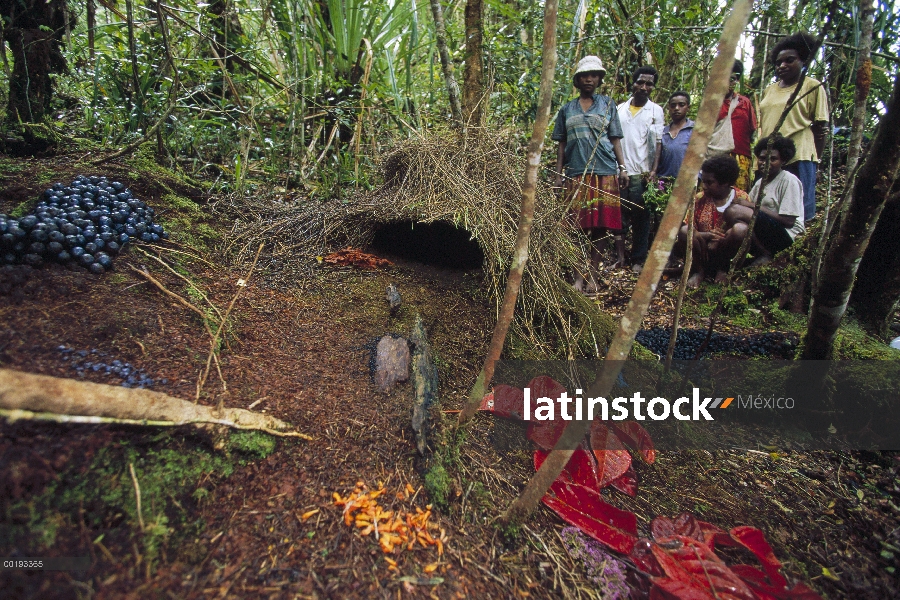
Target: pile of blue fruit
[83,361]
[690,341]
[86,223]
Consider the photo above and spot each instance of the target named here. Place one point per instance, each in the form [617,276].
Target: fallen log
[425,383]
[29,396]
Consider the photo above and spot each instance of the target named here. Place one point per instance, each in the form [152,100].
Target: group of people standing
[608,154]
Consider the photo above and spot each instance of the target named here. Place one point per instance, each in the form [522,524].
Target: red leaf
[687,525]
[753,540]
[613,460]
[627,483]
[543,386]
[643,558]
[671,589]
[580,469]
[584,508]
[759,583]
[691,562]
[546,433]
[504,401]
[636,437]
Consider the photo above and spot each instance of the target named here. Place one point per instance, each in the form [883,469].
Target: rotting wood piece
[44,394]
[425,383]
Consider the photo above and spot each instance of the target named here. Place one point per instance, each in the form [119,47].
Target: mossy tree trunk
[877,289]
[34,30]
[863,82]
[440,35]
[870,192]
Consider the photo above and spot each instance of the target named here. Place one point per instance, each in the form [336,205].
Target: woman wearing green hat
[590,166]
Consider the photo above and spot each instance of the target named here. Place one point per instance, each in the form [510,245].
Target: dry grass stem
[137,495]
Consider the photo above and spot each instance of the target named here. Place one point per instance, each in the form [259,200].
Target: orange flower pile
[393,529]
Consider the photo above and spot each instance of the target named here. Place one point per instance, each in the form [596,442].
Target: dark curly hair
[680,93]
[738,67]
[785,146]
[645,70]
[805,45]
[724,168]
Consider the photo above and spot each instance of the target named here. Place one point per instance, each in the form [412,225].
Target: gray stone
[391,362]
[392,295]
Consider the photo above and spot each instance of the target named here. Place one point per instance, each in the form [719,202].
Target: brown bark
[473,76]
[648,280]
[863,82]
[877,289]
[870,190]
[29,88]
[91,25]
[34,30]
[526,215]
[440,35]
[42,394]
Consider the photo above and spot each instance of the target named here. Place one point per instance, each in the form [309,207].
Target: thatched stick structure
[682,196]
[526,216]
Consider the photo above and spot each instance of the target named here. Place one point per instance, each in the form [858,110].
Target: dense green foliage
[308,92]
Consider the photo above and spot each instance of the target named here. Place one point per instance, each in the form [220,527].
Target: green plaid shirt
[581,130]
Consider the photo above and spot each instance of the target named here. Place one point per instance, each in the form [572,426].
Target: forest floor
[233,515]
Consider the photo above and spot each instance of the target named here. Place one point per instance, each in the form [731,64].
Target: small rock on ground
[391,362]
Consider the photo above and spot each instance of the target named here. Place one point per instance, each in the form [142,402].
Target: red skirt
[594,201]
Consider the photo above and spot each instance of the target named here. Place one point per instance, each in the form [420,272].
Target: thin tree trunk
[473,76]
[91,25]
[870,190]
[526,215]
[863,82]
[648,280]
[132,53]
[440,36]
[685,275]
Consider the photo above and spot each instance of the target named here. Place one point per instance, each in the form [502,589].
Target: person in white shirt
[780,219]
[642,124]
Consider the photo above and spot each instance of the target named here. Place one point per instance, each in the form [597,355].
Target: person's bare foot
[636,268]
[761,261]
[721,277]
[579,284]
[694,281]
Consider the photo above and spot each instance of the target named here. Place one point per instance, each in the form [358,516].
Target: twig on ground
[182,277]
[204,317]
[137,496]
[174,251]
[215,339]
[163,289]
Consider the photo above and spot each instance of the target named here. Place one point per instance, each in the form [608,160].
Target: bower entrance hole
[440,244]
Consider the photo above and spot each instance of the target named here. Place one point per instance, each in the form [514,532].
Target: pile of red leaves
[354,257]
[680,559]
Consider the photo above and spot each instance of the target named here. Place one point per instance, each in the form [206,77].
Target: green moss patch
[98,497]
